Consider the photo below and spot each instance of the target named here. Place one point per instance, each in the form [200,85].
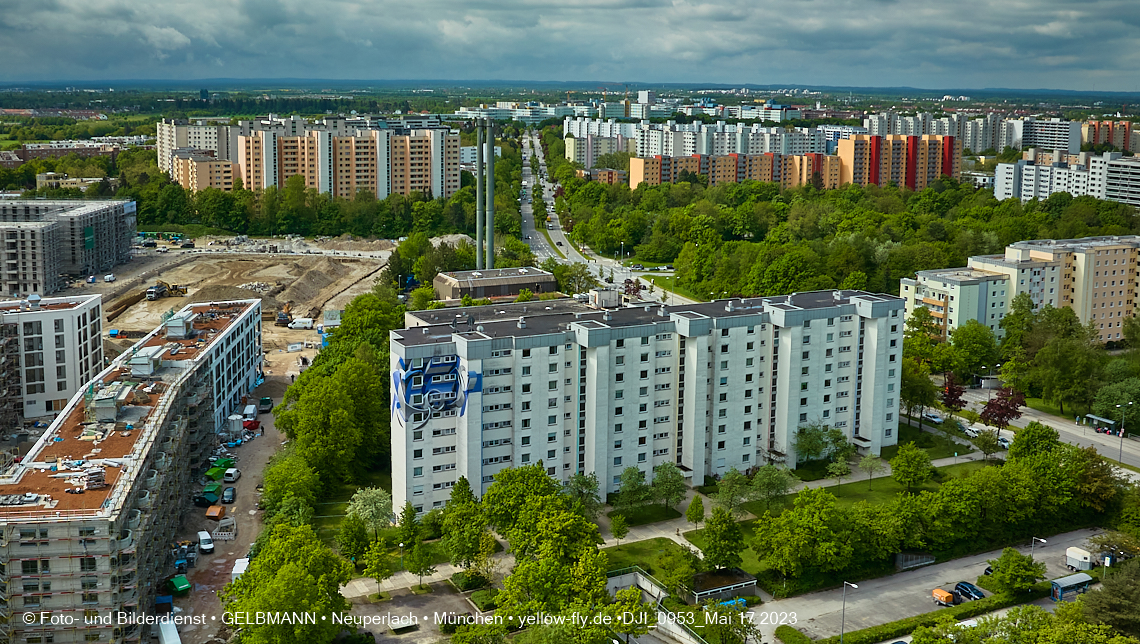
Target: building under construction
[89,513]
[44,241]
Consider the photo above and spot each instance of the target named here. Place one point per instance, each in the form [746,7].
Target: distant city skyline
[1050,44]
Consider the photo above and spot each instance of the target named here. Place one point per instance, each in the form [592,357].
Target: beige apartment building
[88,514]
[379,161]
[1094,276]
[196,171]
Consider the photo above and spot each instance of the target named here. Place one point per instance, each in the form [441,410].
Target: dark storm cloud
[923,43]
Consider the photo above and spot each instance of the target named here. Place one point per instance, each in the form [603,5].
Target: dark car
[989,570]
[229,495]
[968,590]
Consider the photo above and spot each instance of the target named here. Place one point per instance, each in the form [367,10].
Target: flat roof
[642,314]
[492,312]
[8,307]
[962,274]
[523,273]
[75,441]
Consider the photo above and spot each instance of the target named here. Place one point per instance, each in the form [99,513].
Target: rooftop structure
[495,282]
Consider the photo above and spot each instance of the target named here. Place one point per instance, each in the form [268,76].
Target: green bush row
[964,611]
[485,599]
[790,635]
[467,581]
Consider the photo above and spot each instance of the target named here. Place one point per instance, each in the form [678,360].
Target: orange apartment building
[788,170]
[912,162]
[603,175]
[1120,134]
[196,171]
[382,162]
[657,170]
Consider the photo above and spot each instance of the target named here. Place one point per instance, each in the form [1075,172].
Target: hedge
[485,599]
[876,634]
[789,635]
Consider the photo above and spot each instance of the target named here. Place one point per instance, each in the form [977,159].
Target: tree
[1003,408]
[668,485]
[1116,601]
[976,346]
[423,298]
[525,295]
[374,507]
[987,442]
[952,395]
[911,466]
[733,491]
[463,528]
[583,489]
[727,624]
[1069,369]
[723,540]
[352,539]
[408,528]
[288,474]
[1015,573]
[419,561]
[838,470]
[921,334]
[916,390]
[377,562]
[771,482]
[1035,438]
[619,527]
[872,465]
[633,492]
[292,569]
[513,490]
[810,442]
[461,493]
[630,615]
[676,569]
[812,534]
[695,514]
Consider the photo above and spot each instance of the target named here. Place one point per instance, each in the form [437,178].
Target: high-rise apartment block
[196,171]
[58,348]
[337,155]
[89,513]
[1120,134]
[1108,176]
[44,240]
[685,139]
[990,132]
[707,387]
[1094,276]
[587,149]
[912,162]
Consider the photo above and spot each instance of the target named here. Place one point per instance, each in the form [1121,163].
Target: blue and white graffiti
[438,386]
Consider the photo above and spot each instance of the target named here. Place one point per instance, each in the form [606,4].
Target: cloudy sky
[1062,44]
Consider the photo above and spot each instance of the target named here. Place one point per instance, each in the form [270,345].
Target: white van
[249,413]
[231,475]
[109,277]
[301,323]
[205,541]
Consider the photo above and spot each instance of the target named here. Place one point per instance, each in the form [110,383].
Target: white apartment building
[587,149]
[45,239]
[61,349]
[107,548]
[674,139]
[708,387]
[1094,276]
[988,132]
[174,134]
[468,154]
[1108,176]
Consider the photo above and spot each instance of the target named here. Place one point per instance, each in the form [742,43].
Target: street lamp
[843,615]
[1033,543]
[1121,456]
[990,373]
[401,555]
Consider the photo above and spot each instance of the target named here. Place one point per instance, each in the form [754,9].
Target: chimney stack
[478,194]
[490,194]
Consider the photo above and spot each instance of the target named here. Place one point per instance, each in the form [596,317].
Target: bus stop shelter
[1068,587]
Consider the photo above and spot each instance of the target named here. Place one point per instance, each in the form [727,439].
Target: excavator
[283,316]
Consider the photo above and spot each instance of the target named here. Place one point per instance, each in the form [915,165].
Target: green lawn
[651,513]
[936,445]
[331,511]
[646,554]
[669,283]
[1047,407]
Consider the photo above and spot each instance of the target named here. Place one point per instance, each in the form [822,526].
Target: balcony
[133,518]
[162,461]
[126,540]
[151,479]
[145,500]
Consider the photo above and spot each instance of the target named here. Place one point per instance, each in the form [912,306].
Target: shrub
[465,581]
[484,600]
[789,635]
[752,600]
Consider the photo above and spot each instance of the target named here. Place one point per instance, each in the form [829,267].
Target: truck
[265,405]
[156,292]
[1078,559]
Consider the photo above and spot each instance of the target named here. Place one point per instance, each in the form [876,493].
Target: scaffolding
[10,398]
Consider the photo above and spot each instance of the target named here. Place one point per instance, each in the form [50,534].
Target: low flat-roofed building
[495,282]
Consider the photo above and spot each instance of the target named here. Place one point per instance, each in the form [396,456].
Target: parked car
[968,590]
[989,570]
[205,542]
[932,417]
[1003,442]
[972,432]
[559,243]
[229,495]
[638,267]
[231,475]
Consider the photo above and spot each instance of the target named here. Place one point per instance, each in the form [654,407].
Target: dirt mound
[220,293]
[305,289]
[452,239]
[348,242]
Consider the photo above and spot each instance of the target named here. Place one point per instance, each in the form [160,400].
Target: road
[542,249]
[886,599]
[1070,432]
